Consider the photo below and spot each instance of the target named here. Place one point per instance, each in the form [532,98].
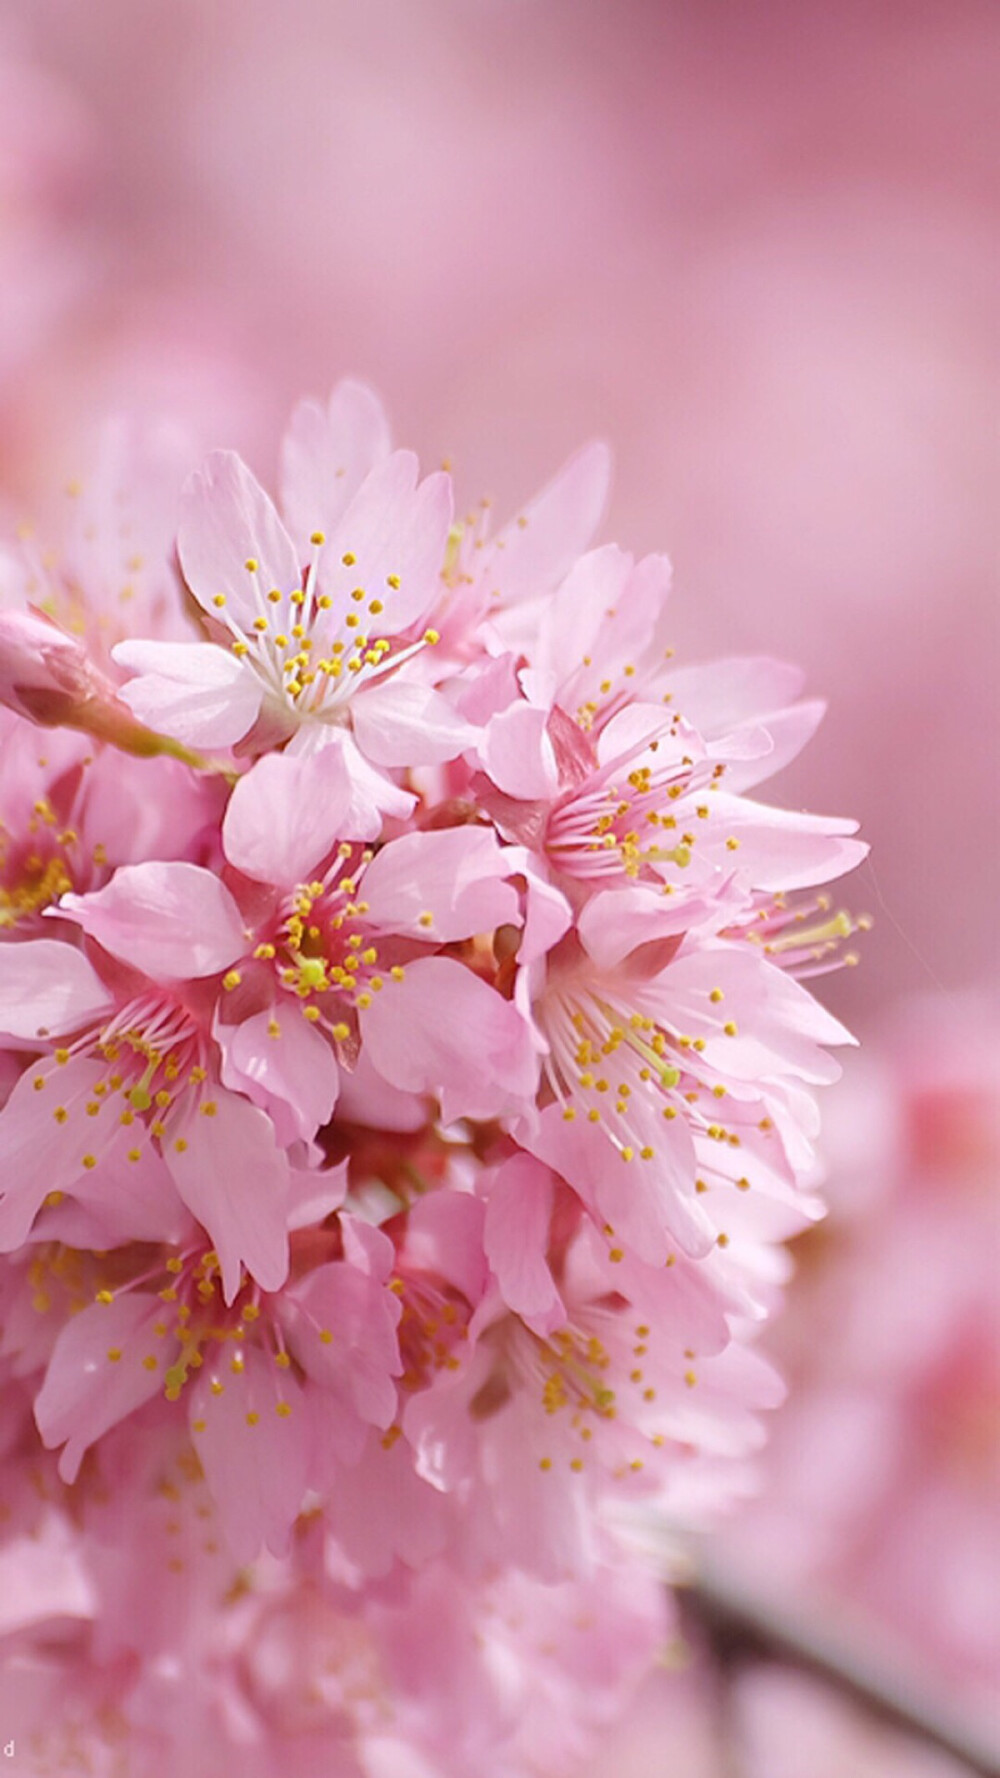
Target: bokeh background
[753,245]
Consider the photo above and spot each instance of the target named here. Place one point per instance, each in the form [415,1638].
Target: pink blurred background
[752,245]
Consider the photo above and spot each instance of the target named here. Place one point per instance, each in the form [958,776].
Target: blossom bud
[47,676]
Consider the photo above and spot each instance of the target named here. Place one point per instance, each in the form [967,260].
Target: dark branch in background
[740,1627]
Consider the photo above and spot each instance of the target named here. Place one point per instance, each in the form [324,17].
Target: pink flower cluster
[407,1087]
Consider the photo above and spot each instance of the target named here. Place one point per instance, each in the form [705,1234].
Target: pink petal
[194,691]
[525,561]
[48,988]
[293,1076]
[779,1026]
[403,723]
[444,1236]
[518,754]
[355,1365]
[86,1392]
[516,1240]
[645,1203]
[315,1195]
[615,922]
[393,527]
[454,874]
[373,796]
[725,694]
[608,614]
[381,1510]
[43,1151]
[171,920]
[367,1098]
[286,814]
[227,520]
[234,1179]
[547,913]
[326,455]
[777,848]
[443,1030]
[788,730]
[119,1201]
[255,1458]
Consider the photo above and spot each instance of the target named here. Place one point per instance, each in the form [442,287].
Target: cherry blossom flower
[137,1082]
[324,615]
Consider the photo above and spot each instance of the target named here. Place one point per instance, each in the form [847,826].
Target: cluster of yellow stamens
[808,937]
[324,951]
[150,1049]
[309,652]
[34,872]
[609,828]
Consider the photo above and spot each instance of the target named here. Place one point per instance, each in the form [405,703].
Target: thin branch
[741,1624]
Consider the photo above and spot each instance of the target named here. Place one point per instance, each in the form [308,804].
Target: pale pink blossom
[321,617]
[136,1078]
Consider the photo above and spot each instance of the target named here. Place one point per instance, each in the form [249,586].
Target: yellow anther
[318,538]
[219,600]
[251,564]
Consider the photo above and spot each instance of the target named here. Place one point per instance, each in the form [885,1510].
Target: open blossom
[126,1077]
[404,1108]
[316,621]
